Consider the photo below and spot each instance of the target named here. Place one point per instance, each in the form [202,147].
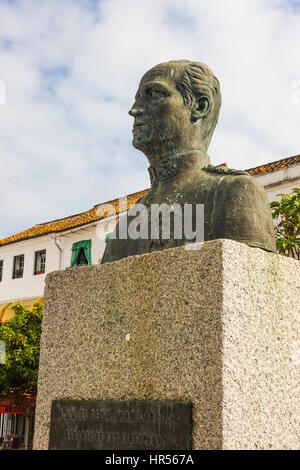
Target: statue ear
[200,110]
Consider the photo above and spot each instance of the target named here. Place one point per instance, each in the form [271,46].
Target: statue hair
[196,80]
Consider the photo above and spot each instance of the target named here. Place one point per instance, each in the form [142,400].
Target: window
[81,253]
[1,269]
[81,258]
[40,262]
[18,266]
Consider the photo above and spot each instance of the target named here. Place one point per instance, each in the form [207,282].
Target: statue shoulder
[224,171]
[241,182]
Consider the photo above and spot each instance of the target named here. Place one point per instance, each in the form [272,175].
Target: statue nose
[135,111]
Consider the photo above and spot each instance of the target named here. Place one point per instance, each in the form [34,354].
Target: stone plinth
[215,326]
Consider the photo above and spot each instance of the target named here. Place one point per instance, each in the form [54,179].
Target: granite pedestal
[217,326]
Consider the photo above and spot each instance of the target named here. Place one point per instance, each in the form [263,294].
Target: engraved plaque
[120,425]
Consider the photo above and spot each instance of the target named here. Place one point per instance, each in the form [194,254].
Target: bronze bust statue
[175,113]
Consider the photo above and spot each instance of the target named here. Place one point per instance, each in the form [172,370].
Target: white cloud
[71,68]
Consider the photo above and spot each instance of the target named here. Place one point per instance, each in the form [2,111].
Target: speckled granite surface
[216,326]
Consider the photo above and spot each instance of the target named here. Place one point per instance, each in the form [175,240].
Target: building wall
[282,181]
[31,285]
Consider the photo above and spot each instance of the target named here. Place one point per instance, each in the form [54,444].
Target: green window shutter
[74,256]
[76,247]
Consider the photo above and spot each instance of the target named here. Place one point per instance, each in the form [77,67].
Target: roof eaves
[73,221]
[277,165]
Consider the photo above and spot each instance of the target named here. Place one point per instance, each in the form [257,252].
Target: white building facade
[58,251]
[43,254]
[277,177]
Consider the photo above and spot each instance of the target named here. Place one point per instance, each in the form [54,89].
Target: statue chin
[136,142]
[140,142]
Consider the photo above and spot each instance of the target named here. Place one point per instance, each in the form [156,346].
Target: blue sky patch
[178,18]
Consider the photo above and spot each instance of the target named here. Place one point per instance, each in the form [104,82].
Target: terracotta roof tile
[98,212]
[274,166]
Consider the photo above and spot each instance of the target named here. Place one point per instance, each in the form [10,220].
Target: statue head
[176,109]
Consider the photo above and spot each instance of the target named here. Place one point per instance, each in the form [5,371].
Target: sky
[69,70]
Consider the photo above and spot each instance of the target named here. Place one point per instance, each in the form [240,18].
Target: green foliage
[21,336]
[287,212]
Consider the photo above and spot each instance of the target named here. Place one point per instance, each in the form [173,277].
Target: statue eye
[154,93]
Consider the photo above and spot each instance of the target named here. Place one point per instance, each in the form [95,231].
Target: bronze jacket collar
[175,164]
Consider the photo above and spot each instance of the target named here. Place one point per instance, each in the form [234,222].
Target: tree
[287,213]
[21,336]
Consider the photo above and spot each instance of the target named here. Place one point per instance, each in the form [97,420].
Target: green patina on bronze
[175,113]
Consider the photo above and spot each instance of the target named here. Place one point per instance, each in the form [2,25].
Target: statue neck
[175,164]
